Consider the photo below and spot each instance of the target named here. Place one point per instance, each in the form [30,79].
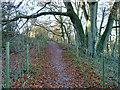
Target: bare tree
[93,45]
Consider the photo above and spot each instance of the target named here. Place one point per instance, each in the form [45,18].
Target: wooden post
[38,50]
[68,49]
[77,52]
[7,65]
[27,58]
[119,54]
[103,71]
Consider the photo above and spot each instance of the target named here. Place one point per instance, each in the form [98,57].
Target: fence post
[38,45]
[27,58]
[103,71]
[7,65]
[68,48]
[77,52]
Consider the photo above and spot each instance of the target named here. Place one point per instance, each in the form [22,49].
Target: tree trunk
[110,42]
[92,28]
[61,26]
[86,38]
[119,54]
[69,34]
[115,43]
[77,24]
[107,47]
[102,43]
[69,38]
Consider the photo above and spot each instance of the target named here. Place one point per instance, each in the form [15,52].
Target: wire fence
[20,60]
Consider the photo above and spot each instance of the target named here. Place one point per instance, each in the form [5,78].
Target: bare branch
[84,10]
[103,16]
[113,27]
[24,24]
[37,15]
[43,7]
[19,4]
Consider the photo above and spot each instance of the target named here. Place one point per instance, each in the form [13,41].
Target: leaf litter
[57,69]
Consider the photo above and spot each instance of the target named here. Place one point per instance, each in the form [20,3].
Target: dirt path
[58,62]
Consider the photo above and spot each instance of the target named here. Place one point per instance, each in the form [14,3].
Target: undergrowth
[110,66]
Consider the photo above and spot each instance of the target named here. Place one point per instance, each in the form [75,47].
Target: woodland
[60,44]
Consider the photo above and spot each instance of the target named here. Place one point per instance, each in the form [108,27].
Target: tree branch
[84,11]
[37,15]
[43,7]
[113,27]
[116,27]
[103,16]
[24,24]
[19,4]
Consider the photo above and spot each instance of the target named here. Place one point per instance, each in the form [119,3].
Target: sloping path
[60,65]
[60,71]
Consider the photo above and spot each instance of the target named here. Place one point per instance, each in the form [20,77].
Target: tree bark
[61,27]
[115,43]
[77,24]
[86,17]
[92,28]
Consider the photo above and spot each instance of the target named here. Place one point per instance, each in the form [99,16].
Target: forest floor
[56,69]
